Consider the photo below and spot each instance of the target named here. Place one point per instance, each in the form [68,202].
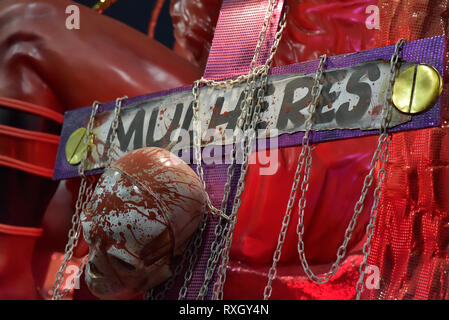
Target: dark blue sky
[137,14]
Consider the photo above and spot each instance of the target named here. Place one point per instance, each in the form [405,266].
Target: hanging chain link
[245,121]
[385,139]
[250,80]
[219,241]
[382,143]
[305,158]
[84,194]
[197,149]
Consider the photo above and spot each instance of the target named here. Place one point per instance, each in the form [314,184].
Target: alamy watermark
[372,280]
[72,281]
[373,21]
[264,151]
[73,20]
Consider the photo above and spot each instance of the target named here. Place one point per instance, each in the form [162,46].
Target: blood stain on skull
[139,200]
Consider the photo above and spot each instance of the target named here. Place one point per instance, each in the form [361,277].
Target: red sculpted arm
[44,63]
[313,27]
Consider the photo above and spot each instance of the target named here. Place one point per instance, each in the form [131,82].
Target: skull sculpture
[142,214]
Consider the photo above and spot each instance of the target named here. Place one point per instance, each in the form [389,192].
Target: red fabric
[314,27]
[16,248]
[411,240]
[410,243]
[31,108]
[333,27]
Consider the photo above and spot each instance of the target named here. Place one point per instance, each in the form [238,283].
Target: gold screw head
[76,146]
[417,88]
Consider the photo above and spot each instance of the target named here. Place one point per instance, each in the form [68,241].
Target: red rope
[154,17]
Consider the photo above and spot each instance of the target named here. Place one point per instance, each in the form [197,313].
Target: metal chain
[247,101]
[242,125]
[254,71]
[381,152]
[192,253]
[197,149]
[251,122]
[84,194]
[358,206]
[315,92]
[114,126]
[74,231]
[218,240]
[213,259]
[151,294]
[262,35]
[385,138]
[193,257]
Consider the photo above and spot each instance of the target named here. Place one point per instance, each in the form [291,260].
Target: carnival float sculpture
[308,159]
